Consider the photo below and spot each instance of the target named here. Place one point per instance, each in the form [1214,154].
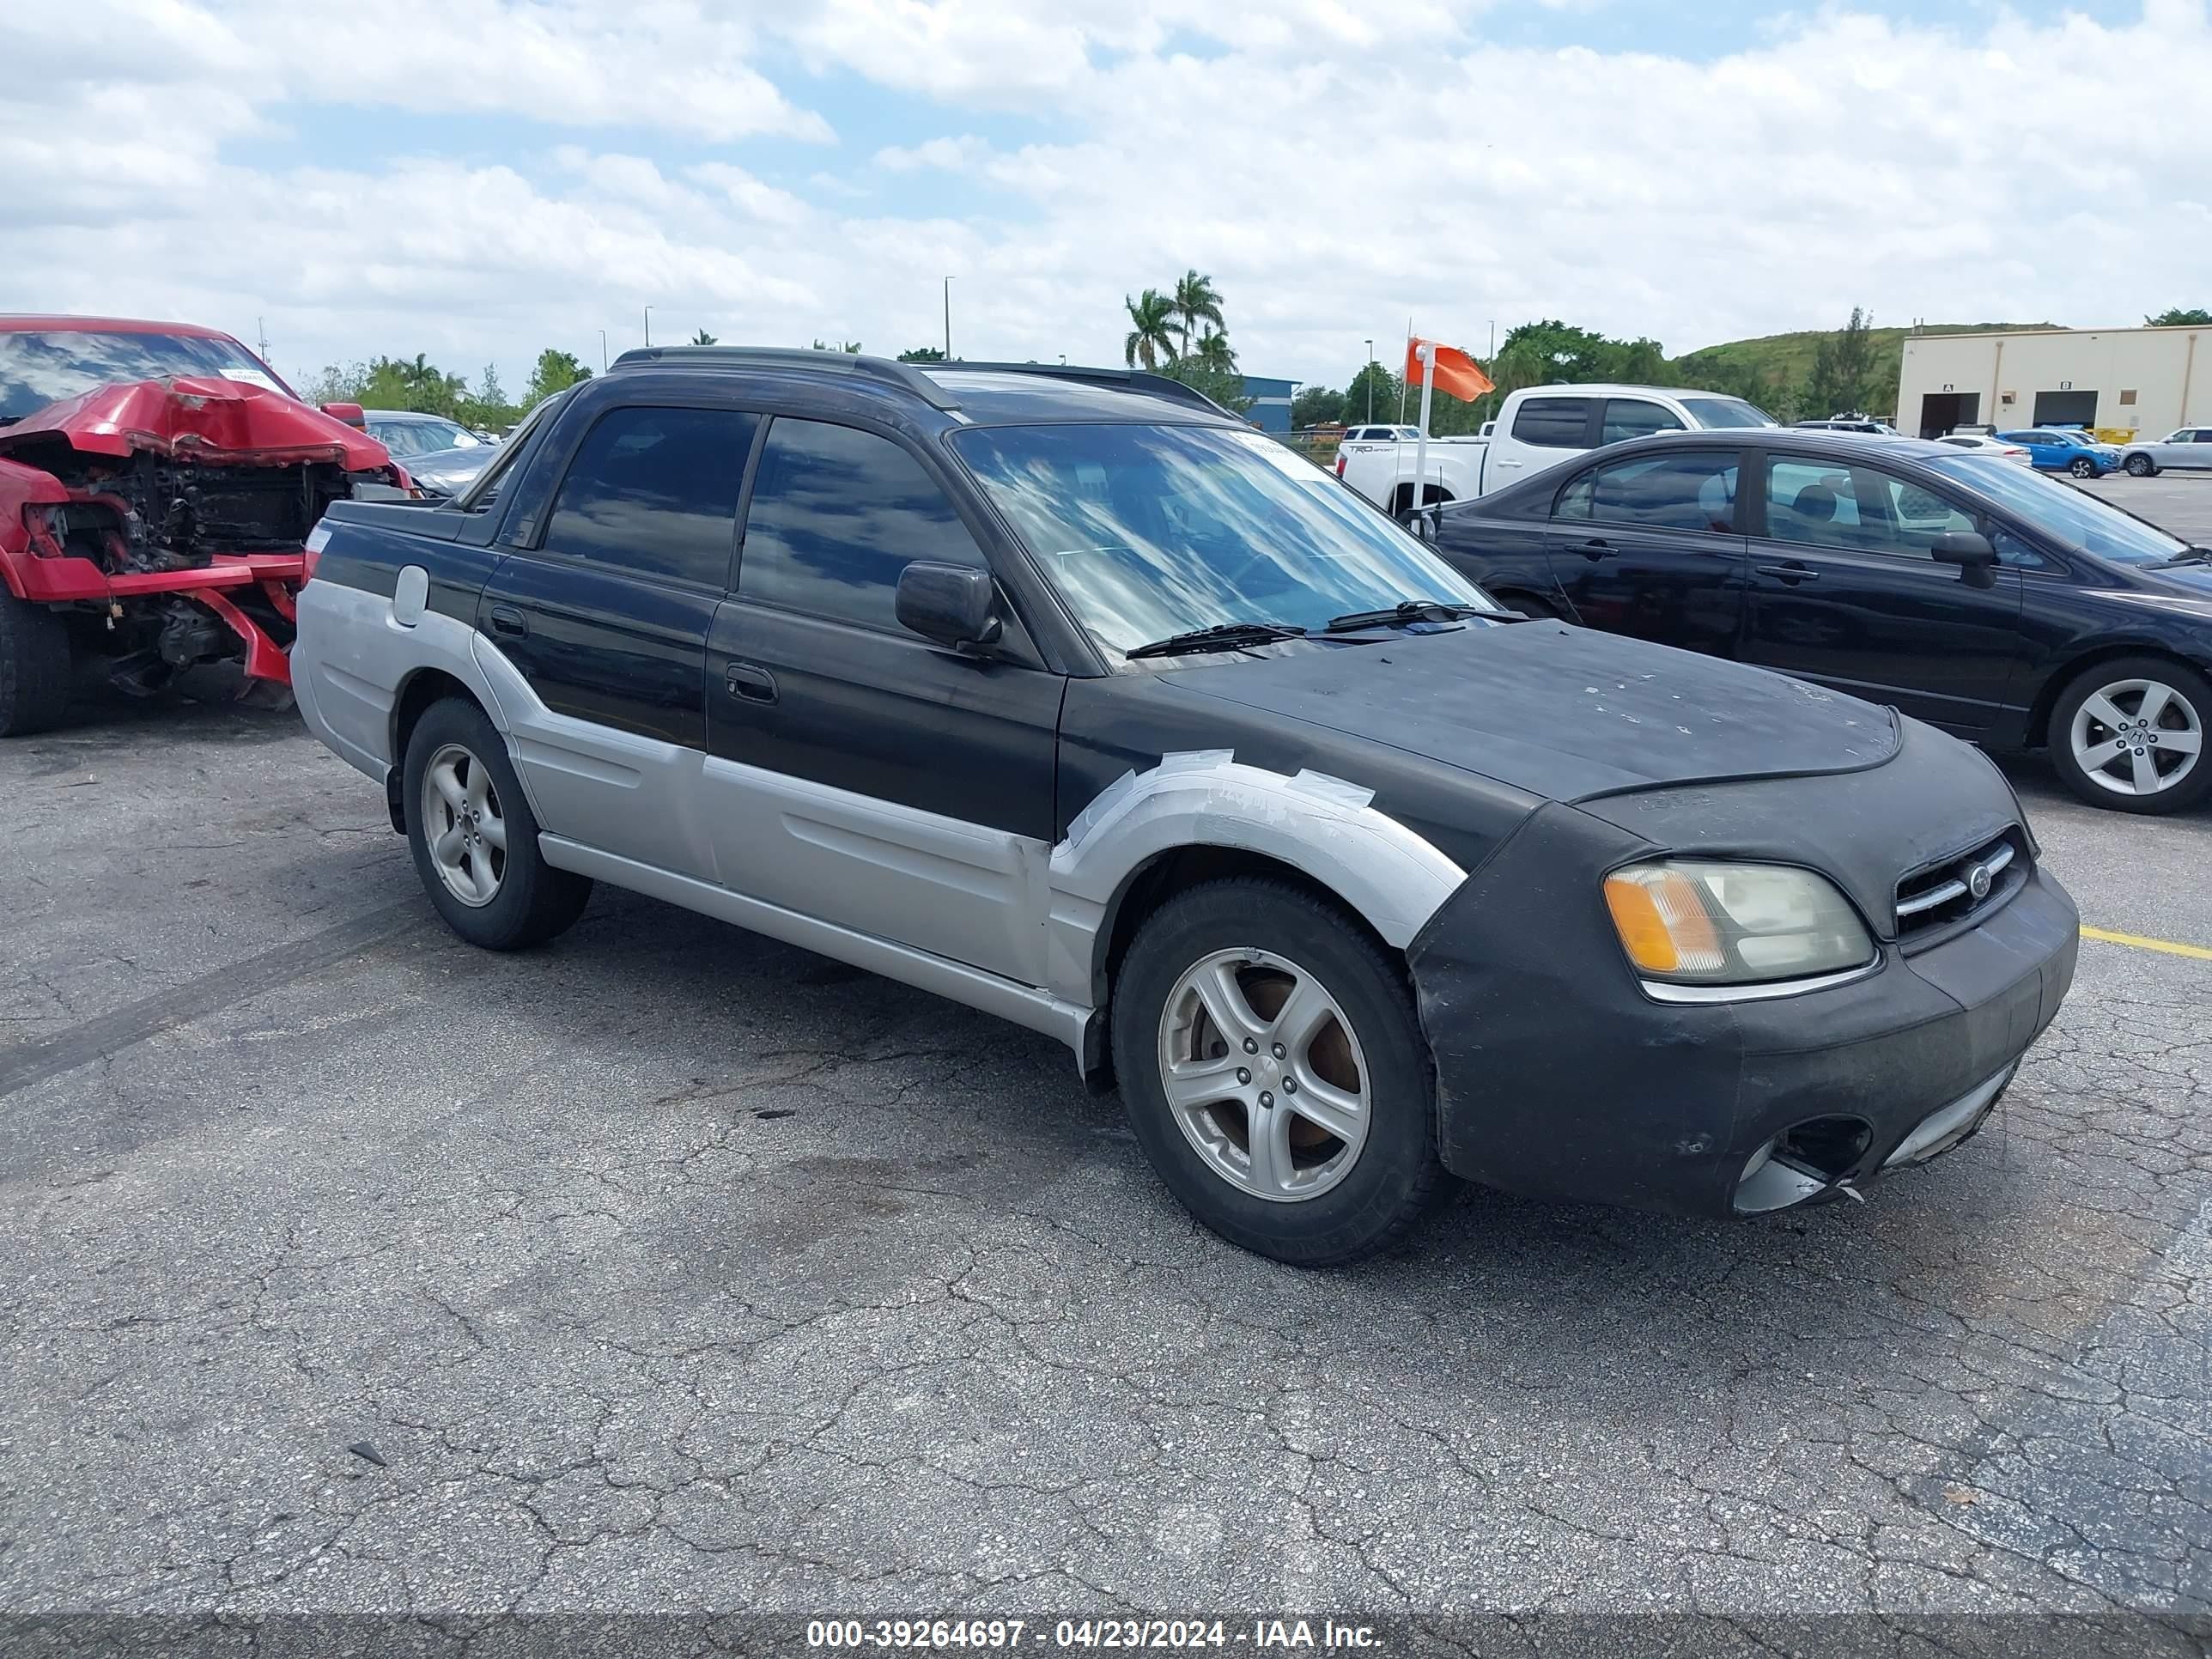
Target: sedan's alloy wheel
[463,825]
[1263,1075]
[2138,737]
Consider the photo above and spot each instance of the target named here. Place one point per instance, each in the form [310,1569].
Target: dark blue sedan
[2065,449]
[2002,606]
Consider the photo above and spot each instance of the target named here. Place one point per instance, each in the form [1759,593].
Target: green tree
[704,338]
[337,384]
[1225,386]
[557,371]
[850,348]
[2180,317]
[1317,405]
[1195,301]
[1374,388]
[1842,375]
[1213,351]
[923,355]
[415,384]
[1151,333]
[486,406]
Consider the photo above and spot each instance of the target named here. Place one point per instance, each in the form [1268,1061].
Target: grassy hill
[1786,360]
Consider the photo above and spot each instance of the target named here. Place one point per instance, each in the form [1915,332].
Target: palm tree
[1197,301]
[1213,352]
[703,338]
[1153,337]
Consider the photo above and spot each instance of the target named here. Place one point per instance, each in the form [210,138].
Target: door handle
[752,682]
[1792,573]
[1598,548]
[506,619]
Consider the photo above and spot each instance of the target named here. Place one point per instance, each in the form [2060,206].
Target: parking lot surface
[670,1267]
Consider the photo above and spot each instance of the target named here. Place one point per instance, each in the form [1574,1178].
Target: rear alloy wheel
[34,666]
[474,838]
[2082,467]
[2129,734]
[2141,466]
[1275,1071]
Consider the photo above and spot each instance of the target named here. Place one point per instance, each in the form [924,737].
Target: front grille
[1933,903]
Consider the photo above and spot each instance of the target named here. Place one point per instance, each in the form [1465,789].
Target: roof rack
[1126,379]
[905,376]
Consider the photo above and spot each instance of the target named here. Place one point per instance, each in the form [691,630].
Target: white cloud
[1333,167]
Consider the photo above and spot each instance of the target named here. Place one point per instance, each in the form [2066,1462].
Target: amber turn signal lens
[1662,922]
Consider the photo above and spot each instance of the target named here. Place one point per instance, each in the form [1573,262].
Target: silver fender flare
[1323,827]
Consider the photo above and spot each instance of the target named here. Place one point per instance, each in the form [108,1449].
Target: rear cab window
[653,492]
[1553,422]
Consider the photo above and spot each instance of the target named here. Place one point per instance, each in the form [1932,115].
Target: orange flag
[1456,373]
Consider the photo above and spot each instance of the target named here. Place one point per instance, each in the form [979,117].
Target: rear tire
[34,666]
[2141,466]
[475,839]
[2106,755]
[1284,969]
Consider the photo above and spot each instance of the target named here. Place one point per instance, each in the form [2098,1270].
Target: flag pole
[1401,383]
[1428,362]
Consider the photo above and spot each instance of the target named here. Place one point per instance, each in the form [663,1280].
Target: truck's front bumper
[1573,1084]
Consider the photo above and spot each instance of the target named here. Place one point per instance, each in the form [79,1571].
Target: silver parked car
[2189,447]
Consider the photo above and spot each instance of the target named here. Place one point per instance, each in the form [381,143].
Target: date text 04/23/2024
[1124,1634]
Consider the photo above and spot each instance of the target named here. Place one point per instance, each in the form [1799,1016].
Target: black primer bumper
[1558,1077]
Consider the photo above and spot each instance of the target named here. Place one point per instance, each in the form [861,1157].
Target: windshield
[47,366]
[1720,414]
[1152,530]
[2070,516]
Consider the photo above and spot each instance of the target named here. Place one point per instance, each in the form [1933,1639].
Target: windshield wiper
[2188,556]
[1222,636]
[1410,610]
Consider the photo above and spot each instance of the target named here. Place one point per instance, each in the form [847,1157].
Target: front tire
[34,666]
[2082,467]
[1274,1070]
[2128,734]
[2141,466]
[474,838]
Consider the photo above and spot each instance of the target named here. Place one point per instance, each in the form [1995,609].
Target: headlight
[1699,923]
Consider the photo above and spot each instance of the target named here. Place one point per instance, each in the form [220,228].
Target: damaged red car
[157,484]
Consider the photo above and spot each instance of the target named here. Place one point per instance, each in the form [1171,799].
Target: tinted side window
[655,491]
[836,515]
[1856,508]
[1632,418]
[1694,491]
[1554,422]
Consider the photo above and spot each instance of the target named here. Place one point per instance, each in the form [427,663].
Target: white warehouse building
[2143,381]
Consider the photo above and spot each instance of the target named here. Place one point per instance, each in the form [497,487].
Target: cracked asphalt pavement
[672,1268]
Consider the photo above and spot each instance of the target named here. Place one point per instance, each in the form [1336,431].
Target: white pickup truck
[1537,427]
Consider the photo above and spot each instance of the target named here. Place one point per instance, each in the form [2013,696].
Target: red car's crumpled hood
[202,418]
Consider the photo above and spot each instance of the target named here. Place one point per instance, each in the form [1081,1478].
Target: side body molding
[1321,826]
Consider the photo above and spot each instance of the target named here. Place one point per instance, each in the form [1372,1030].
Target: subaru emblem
[1977,881]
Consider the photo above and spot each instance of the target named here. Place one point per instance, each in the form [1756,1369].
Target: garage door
[2065,409]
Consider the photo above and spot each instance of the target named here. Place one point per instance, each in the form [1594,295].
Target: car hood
[200,418]
[1560,712]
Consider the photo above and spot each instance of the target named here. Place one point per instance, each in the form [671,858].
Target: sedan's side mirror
[352,414]
[1971,551]
[950,604]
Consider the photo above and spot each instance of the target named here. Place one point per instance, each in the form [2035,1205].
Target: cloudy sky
[479,178]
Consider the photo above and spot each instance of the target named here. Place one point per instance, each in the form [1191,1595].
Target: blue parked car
[2065,449]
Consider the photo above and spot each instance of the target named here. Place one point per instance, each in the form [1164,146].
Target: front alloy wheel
[1264,1074]
[2141,466]
[2082,467]
[1275,1071]
[2130,735]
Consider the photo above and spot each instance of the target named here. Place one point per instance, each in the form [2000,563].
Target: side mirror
[349,413]
[1964,547]
[955,605]
[1971,552]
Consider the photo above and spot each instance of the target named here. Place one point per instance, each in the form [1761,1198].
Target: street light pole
[649,325]
[1371,382]
[603,351]
[948,319]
